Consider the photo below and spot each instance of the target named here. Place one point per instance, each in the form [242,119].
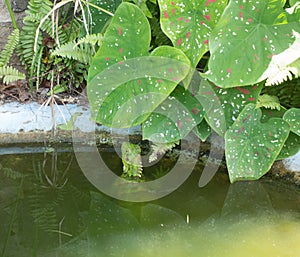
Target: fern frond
[93,39]
[288,73]
[82,53]
[10,74]
[12,174]
[9,48]
[268,101]
[283,65]
[159,149]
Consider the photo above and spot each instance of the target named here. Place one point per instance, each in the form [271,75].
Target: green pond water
[49,208]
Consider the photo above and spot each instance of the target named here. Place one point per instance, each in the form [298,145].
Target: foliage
[146,54]
[250,43]
[36,52]
[8,73]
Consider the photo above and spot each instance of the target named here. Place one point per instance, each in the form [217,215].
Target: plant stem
[12,16]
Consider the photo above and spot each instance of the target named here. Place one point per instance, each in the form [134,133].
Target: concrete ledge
[33,123]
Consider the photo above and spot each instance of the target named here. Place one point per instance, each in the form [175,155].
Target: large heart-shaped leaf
[251,147]
[125,84]
[291,147]
[99,18]
[128,36]
[254,30]
[188,24]
[226,103]
[174,118]
[292,117]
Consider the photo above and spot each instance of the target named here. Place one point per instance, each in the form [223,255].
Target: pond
[49,208]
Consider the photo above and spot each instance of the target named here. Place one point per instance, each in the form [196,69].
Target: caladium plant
[130,84]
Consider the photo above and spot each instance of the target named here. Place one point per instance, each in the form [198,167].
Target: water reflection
[47,208]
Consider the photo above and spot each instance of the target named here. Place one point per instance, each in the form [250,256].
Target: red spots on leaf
[241,130]
[247,118]
[187,20]
[159,81]
[251,99]
[175,79]
[256,58]
[238,28]
[205,42]
[180,18]
[209,1]
[240,14]
[241,7]
[202,22]
[179,41]
[119,31]
[121,50]
[188,34]
[107,59]
[229,70]
[243,90]
[172,3]
[255,87]
[207,17]
[166,15]
[264,39]
[139,82]
[195,110]
[170,70]
[120,63]
[179,124]
[173,11]
[250,20]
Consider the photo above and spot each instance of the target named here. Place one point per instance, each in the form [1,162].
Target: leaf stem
[11,13]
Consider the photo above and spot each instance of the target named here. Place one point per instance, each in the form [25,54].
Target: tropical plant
[249,43]
[7,72]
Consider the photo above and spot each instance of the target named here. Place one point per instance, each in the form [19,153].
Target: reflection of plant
[52,176]
[243,43]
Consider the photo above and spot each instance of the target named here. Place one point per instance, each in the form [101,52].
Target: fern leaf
[12,174]
[82,53]
[285,74]
[268,101]
[159,149]
[93,39]
[10,46]
[10,74]
[283,65]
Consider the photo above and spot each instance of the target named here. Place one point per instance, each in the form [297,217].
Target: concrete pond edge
[32,123]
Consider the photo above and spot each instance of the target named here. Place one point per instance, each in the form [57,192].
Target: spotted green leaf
[189,23]
[174,118]
[227,103]
[251,147]
[99,18]
[256,30]
[202,130]
[291,147]
[128,36]
[125,83]
[292,117]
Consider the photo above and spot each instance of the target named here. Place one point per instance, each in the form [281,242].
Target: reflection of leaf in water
[153,216]
[246,199]
[106,217]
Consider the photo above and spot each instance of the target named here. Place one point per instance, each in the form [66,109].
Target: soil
[20,91]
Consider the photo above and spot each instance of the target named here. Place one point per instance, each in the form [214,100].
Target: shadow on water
[48,208]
